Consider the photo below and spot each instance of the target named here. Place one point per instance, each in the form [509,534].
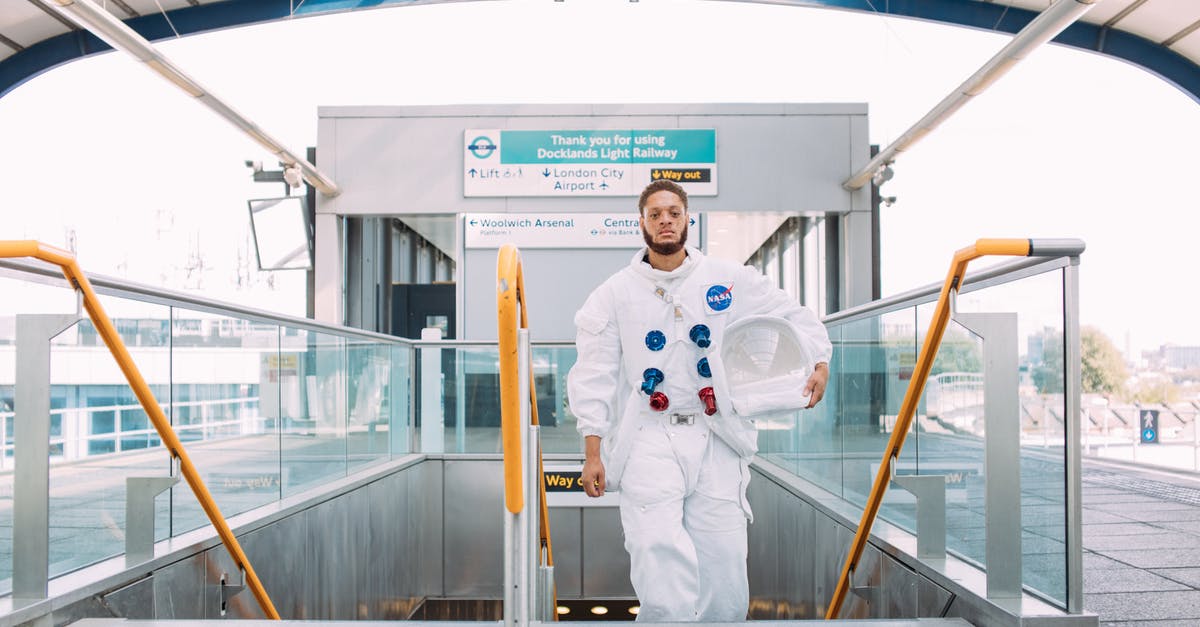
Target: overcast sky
[1067,145]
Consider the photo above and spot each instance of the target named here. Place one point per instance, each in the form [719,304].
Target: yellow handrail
[509,298]
[104,326]
[511,310]
[929,349]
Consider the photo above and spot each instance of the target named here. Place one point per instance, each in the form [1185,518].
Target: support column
[31,458]
[1002,457]
[329,296]
[139,515]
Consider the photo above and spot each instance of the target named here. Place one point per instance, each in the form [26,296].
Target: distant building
[1173,357]
[1180,357]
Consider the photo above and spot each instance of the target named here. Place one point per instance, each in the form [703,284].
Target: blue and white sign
[549,230]
[587,163]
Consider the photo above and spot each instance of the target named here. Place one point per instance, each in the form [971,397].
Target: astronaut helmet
[761,367]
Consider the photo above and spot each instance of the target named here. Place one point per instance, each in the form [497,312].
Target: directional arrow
[546,172]
[692,221]
[655,175]
[472,223]
[471,172]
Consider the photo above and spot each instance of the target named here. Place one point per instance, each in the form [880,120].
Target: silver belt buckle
[683,419]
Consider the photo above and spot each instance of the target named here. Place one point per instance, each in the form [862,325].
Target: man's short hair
[661,185]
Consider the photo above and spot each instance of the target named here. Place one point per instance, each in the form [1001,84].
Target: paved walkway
[1141,545]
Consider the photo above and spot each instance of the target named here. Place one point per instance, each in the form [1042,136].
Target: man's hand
[815,388]
[593,477]
[593,469]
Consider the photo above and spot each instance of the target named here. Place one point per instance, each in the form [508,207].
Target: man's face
[664,223]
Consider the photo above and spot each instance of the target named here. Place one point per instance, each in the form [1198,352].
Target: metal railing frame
[105,328]
[929,348]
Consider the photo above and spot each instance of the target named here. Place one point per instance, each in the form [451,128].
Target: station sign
[1148,421]
[620,162]
[563,230]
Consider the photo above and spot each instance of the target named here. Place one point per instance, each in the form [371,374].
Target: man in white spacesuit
[642,393]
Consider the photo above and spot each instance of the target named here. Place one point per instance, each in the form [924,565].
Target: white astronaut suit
[682,474]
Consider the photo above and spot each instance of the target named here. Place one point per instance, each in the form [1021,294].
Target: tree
[959,352]
[1103,368]
[1158,390]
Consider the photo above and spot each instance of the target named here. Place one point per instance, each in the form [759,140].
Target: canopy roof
[1160,36]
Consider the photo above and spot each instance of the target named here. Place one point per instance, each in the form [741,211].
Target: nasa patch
[718,298]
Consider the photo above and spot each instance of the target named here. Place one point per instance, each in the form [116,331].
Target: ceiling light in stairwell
[883,175]
[562,609]
[599,610]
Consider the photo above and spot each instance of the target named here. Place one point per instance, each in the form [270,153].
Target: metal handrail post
[525,528]
[1073,387]
[510,559]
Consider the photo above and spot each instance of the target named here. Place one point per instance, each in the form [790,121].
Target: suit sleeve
[766,299]
[593,383]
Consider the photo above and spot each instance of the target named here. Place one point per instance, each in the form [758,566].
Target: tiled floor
[1141,542]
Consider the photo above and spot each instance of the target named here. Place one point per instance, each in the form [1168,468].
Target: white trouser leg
[724,595]
[663,566]
[685,529]
[714,518]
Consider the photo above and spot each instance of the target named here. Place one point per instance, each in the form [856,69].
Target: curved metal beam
[1150,56]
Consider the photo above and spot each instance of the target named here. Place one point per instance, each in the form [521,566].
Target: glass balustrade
[839,445]
[269,407]
[266,407]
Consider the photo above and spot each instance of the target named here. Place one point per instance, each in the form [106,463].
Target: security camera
[255,166]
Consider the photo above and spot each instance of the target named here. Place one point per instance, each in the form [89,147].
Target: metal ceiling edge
[1148,55]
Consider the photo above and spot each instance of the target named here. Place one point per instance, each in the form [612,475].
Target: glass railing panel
[369,398]
[950,434]
[1038,304]
[100,435]
[463,402]
[401,401]
[226,374]
[550,367]
[887,349]
[465,418]
[876,357]
[809,442]
[19,297]
[313,434]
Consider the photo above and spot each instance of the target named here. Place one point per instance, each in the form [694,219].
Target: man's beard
[665,248]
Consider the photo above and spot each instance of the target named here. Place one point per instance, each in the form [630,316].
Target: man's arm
[592,384]
[593,468]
